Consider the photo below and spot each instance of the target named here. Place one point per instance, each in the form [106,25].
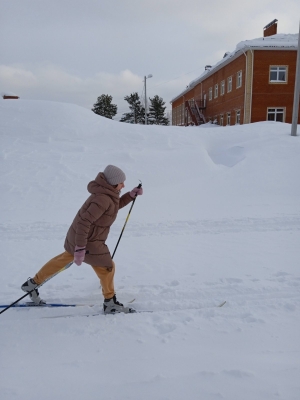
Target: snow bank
[219,220]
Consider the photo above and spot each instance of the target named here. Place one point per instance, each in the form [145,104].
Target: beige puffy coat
[92,223]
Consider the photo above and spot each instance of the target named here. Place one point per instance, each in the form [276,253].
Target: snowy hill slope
[51,150]
[219,220]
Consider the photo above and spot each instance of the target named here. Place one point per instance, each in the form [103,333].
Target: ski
[96,314]
[56,305]
[32,304]
[135,312]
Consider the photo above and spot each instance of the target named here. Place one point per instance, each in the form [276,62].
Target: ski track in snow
[245,298]
[46,231]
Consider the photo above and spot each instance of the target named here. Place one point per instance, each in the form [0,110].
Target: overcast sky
[75,50]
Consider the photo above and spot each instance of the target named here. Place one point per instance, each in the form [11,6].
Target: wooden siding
[266,94]
[255,95]
[230,102]
[7,97]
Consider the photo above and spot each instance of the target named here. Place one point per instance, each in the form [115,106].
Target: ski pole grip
[139,186]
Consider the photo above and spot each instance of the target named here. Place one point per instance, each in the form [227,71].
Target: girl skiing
[85,240]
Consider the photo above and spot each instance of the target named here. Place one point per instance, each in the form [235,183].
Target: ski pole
[139,186]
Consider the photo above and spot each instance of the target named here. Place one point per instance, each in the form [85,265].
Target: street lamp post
[145,78]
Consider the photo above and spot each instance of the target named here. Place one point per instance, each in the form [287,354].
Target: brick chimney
[271,28]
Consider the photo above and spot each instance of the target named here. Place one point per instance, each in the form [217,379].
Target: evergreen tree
[137,111]
[104,107]
[157,112]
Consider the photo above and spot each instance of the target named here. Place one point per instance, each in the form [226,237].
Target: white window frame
[216,92]
[277,69]
[229,84]
[228,119]
[277,111]
[221,120]
[222,89]
[239,77]
[238,117]
[210,93]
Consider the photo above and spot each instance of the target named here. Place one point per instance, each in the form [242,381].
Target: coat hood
[101,186]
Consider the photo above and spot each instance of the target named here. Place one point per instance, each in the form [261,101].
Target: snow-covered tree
[137,111]
[104,106]
[157,112]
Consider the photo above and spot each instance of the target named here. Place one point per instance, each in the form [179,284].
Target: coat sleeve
[85,220]
[124,200]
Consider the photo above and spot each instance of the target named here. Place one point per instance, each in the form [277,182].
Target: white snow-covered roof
[278,41]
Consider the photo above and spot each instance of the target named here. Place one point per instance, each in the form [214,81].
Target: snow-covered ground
[219,220]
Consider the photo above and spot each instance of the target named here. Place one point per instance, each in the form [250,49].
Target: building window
[222,88]
[188,118]
[204,100]
[239,79]
[210,93]
[238,117]
[216,90]
[228,118]
[221,120]
[276,114]
[278,74]
[229,84]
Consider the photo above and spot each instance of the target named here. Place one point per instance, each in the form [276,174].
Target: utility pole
[297,91]
[145,100]
[145,78]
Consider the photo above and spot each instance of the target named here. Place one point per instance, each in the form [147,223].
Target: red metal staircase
[194,110]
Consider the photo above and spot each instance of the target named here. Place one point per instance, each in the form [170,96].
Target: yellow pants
[106,275]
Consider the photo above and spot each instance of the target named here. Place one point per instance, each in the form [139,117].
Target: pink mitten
[79,255]
[136,192]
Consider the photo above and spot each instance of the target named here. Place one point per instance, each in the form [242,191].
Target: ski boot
[113,306]
[30,286]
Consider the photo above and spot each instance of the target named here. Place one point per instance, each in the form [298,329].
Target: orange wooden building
[253,83]
[7,96]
